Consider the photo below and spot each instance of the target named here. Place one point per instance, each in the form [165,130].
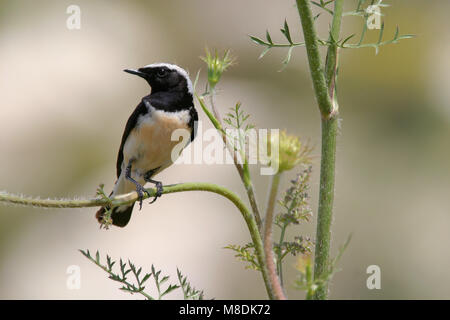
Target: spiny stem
[129,198]
[274,280]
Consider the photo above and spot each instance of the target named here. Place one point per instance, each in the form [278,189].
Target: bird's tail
[120,215]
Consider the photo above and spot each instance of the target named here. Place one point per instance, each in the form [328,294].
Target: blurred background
[64,104]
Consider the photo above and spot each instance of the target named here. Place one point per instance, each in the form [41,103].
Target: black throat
[174,99]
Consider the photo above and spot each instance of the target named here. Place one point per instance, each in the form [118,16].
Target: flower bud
[291,151]
[216,65]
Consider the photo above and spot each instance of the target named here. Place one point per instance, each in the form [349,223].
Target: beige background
[65,101]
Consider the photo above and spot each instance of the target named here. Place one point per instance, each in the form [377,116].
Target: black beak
[136,72]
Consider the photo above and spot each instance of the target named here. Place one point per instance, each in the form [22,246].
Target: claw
[140,196]
[158,184]
[140,191]
[139,188]
[159,190]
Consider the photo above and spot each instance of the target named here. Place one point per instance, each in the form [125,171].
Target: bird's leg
[139,188]
[158,184]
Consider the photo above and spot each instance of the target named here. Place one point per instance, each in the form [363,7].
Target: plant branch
[280,253]
[7,198]
[244,172]
[213,106]
[128,286]
[268,246]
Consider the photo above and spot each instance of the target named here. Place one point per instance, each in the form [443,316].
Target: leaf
[346,39]
[264,52]
[170,289]
[247,254]
[269,39]
[196,79]
[84,253]
[146,277]
[136,286]
[164,279]
[287,59]
[380,36]
[322,5]
[257,40]
[286,32]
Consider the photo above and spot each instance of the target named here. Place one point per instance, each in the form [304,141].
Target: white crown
[178,69]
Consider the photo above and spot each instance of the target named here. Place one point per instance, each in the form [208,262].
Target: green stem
[309,280]
[324,82]
[244,172]
[274,280]
[326,197]
[279,256]
[331,63]
[315,63]
[253,221]
[129,198]
[213,105]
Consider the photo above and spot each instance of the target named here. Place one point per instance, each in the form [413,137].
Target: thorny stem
[274,280]
[324,88]
[129,198]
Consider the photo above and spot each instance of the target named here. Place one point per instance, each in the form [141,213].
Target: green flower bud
[216,65]
[291,151]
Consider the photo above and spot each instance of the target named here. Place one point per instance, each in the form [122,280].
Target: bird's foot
[159,191]
[140,191]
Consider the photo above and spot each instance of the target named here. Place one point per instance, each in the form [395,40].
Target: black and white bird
[146,147]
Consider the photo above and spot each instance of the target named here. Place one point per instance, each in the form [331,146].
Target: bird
[146,146]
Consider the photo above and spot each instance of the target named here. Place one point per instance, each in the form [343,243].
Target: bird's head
[164,77]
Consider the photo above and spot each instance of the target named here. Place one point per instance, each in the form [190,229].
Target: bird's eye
[161,73]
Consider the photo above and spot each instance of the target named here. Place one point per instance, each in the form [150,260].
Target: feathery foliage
[134,281]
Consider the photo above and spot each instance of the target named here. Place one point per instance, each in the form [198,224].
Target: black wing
[141,109]
[193,122]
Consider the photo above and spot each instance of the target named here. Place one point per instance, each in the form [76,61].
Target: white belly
[149,145]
